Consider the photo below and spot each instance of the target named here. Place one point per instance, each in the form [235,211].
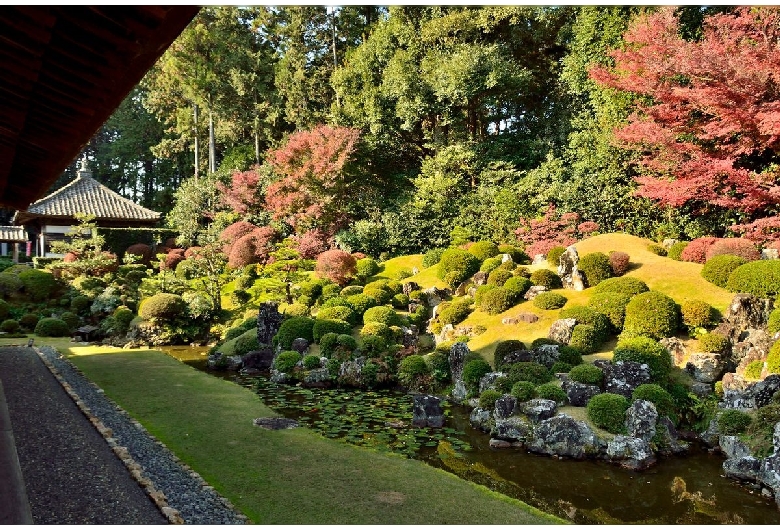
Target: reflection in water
[678,490]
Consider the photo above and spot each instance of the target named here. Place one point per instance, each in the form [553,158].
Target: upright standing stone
[570,275]
[269,319]
[458,353]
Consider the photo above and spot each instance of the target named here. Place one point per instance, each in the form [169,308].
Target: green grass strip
[285,477]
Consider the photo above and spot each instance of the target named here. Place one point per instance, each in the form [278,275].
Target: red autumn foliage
[254,247]
[735,246]
[192,251]
[696,251]
[619,261]
[336,265]
[711,129]
[173,258]
[552,230]
[70,257]
[764,231]
[314,188]
[233,233]
[244,194]
[161,249]
[311,243]
[171,243]
[144,252]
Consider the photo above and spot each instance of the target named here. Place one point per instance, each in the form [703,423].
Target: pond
[678,490]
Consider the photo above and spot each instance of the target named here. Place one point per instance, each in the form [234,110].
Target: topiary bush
[498,277]
[625,285]
[759,278]
[28,321]
[546,278]
[496,300]
[488,398]
[596,267]
[773,324]
[713,343]
[51,327]
[455,312]
[773,359]
[351,290]
[529,371]
[373,345]
[432,257]
[37,284]
[296,310]
[697,314]
[608,411]
[361,303]
[549,301]
[286,361]
[613,306]
[504,348]
[377,329]
[551,391]
[516,253]
[587,374]
[293,328]
[490,264]
[696,250]
[559,367]
[753,370]
[382,314]
[585,338]
[656,249]
[648,351]
[338,313]
[517,286]
[663,401]
[411,369]
[163,307]
[321,327]
[70,319]
[675,251]
[734,246]
[718,269]
[523,391]
[733,421]
[652,314]
[365,268]
[312,362]
[10,326]
[456,266]
[483,250]
[554,255]
[569,355]
[9,284]
[619,262]
[473,371]
[245,342]
[586,315]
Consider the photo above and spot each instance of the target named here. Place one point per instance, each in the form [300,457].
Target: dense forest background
[402,129]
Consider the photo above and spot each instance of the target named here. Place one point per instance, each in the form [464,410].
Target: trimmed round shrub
[697,314]
[338,313]
[759,278]
[28,321]
[523,391]
[455,312]
[611,305]
[498,277]
[70,319]
[625,285]
[473,371]
[696,250]
[361,303]
[586,315]
[596,267]
[658,396]
[328,344]
[529,371]
[382,314]
[773,325]
[608,411]
[496,300]
[549,301]
[321,327]
[400,301]
[411,368]
[488,398]
[286,361]
[311,362]
[656,249]
[713,343]
[334,302]
[377,329]
[517,286]
[38,285]
[647,351]
[330,290]
[585,338]
[439,363]
[733,421]
[516,253]
[312,289]
[718,269]
[587,374]
[773,359]
[620,262]
[734,246]
[675,251]
[294,328]
[382,296]
[554,255]
[366,267]
[432,257]
[504,348]
[10,326]
[456,266]
[51,327]
[569,355]
[652,314]
[80,304]
[560,368]
[373,345]
[551,391]
[483,250]
[296,310]
[245,343]
[546,278]
[163,307]
[753,370]
[490,264]
[351,290]
[123,317]
[9,283]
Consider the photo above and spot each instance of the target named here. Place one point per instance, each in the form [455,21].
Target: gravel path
[88,483]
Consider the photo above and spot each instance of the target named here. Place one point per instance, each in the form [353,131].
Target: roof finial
[84,171]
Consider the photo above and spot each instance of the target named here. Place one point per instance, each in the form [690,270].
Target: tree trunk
[197,144]
[212,146]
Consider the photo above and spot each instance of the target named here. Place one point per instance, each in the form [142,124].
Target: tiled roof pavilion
[86,195]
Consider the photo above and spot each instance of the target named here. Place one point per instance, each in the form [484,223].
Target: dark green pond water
[678,490]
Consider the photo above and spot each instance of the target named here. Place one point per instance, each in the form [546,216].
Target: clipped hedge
[697,314]
[473,371]
[51,327]
[549,301]
[523,391]
[613,306]
[718,269]
[585,338]
[497,300]
[382,314]
[286,361]
[608,411]
[529,371]
[586,315]
[456,266]
[773,325]
[658,396]
[321,327]
[293,328]
[455,312]
[652,314]
[675,251]
[713,343]
[551,391]
[596,267]
[627,285]
[488,398]
[587,374]
[338,312]
[759,278]
[498,277]
[483,250]
[37,284]
[163,307]
[517,286]
[546,278]
[647,351]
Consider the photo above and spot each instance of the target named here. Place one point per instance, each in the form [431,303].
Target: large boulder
[561,330]
[427,412]
[514,429]
[488,381]
[578,393]
[351,372]
[676,349]
[534,291]
[667,439]
[623,377]
[481,419]
[317,378]
[753,344]
[300,345]
[641,418]
[261,359]
[571,276]
[409,287]
[546,354]
[539,409]
[480,278]
[748,395]
[705,367]
[521,318]
[457,358]
[505,407]
[434,296]
[562,435]
[631,453]
[747,311]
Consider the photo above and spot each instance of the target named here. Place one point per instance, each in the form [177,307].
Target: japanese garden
[471,265]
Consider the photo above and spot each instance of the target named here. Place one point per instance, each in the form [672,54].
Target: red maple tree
[707,118]
[244,194]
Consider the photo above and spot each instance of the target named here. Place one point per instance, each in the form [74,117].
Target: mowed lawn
[284,477]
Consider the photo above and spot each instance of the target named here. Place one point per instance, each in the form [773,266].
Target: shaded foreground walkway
[70,473]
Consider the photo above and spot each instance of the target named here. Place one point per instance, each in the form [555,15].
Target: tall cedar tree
[708,116]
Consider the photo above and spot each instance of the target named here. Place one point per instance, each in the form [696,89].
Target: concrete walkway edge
[12,486]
